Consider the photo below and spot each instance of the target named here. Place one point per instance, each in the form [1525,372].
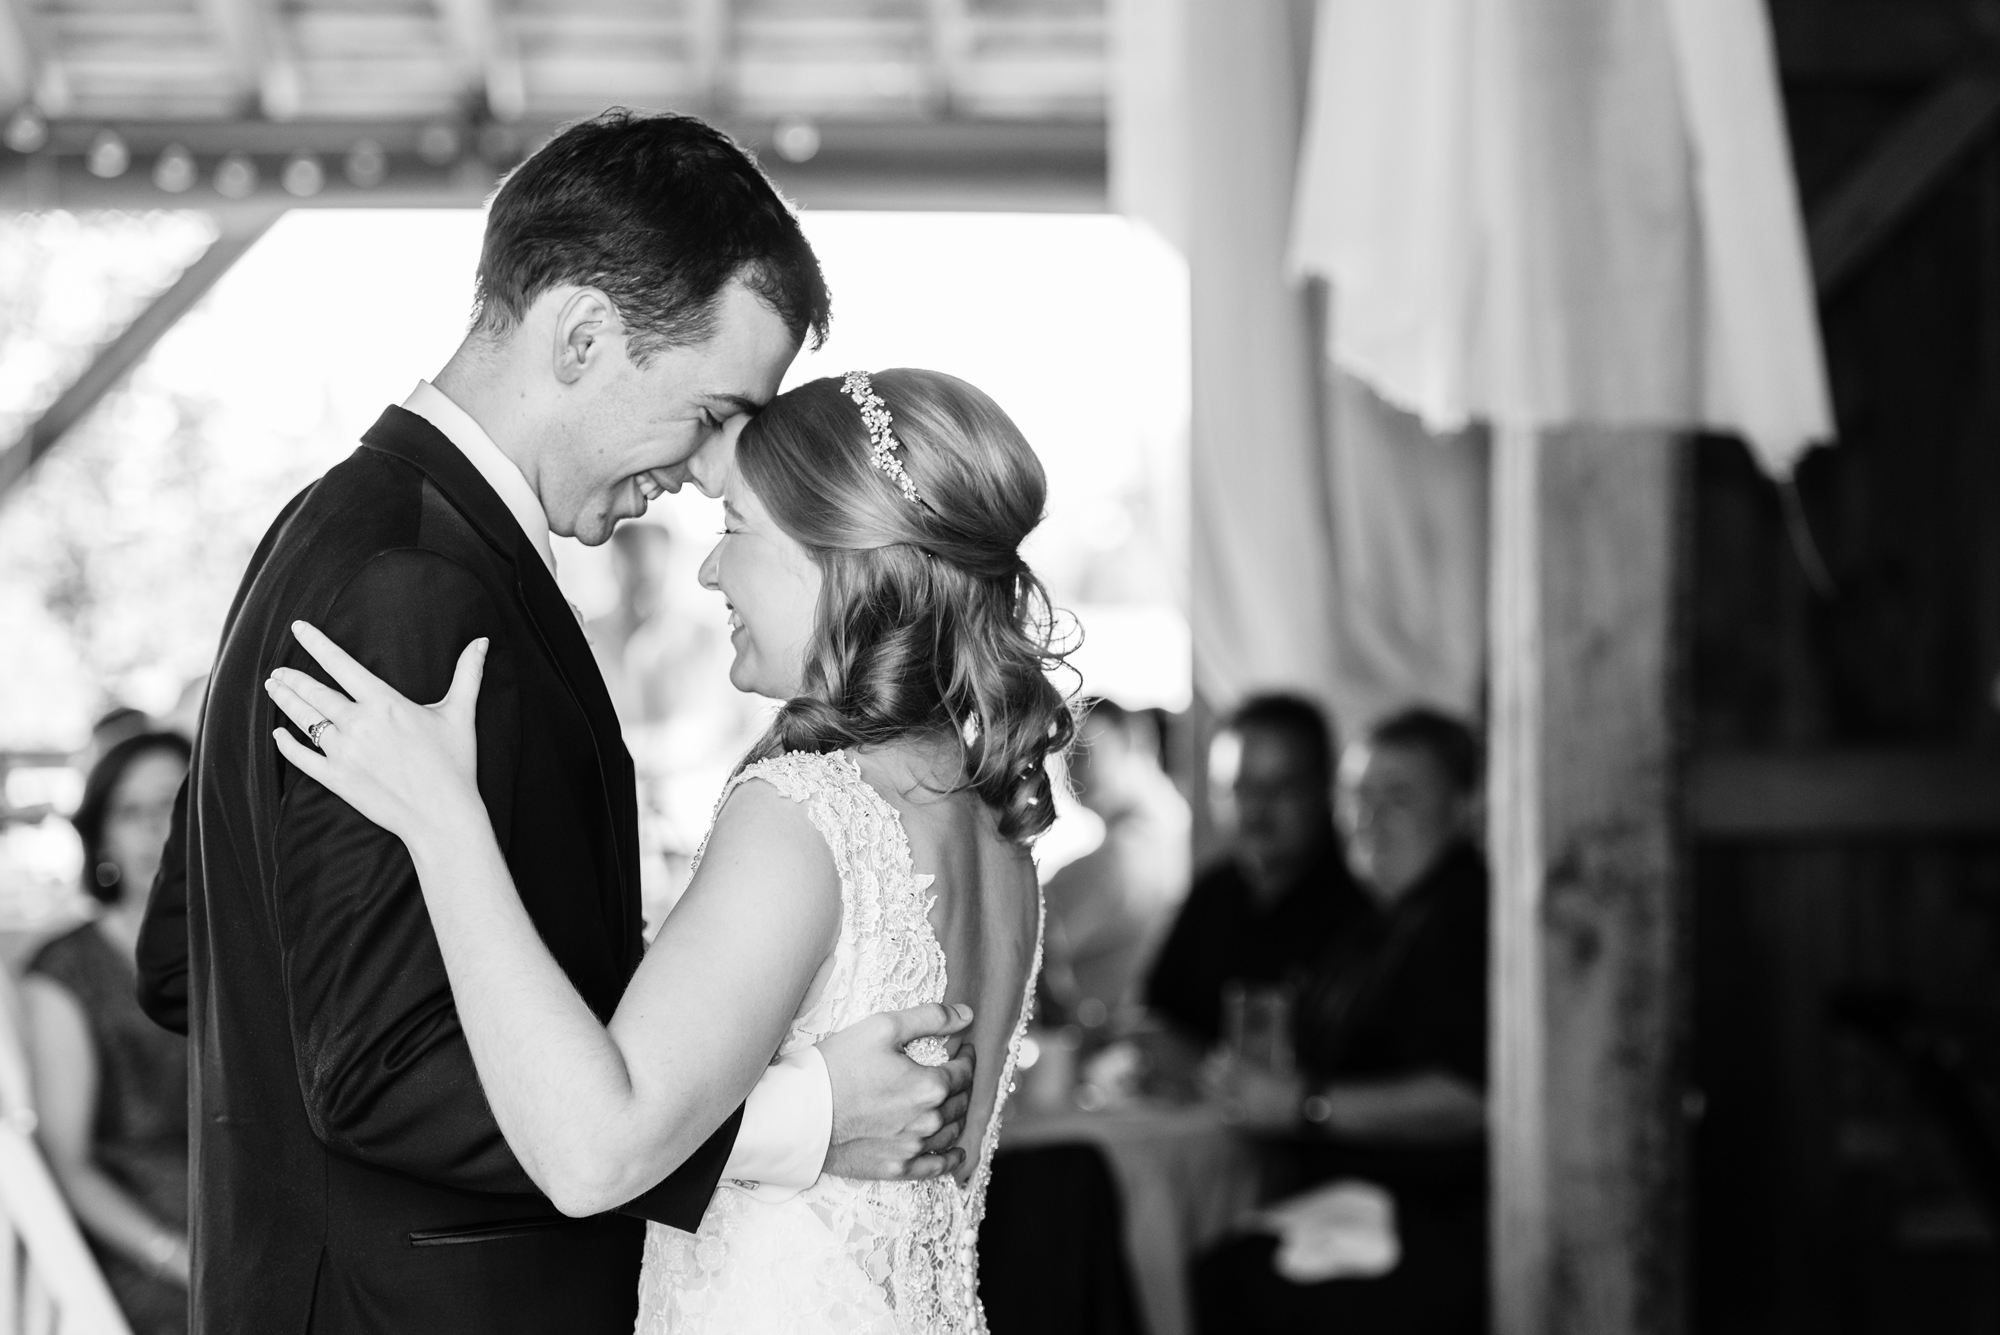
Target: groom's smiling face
[627,431]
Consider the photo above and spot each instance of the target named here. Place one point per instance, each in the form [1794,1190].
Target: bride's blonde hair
[929,622]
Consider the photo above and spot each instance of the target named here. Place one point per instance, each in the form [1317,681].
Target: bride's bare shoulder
[763,824]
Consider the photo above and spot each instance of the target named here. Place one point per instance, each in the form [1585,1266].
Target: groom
[640,284]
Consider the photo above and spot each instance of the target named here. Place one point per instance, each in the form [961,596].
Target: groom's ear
[586,319]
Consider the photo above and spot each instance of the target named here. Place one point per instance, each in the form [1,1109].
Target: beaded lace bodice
[893,1258]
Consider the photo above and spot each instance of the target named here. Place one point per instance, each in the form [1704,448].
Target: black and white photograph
[999,667]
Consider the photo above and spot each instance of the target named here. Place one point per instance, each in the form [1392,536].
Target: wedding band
[312,733]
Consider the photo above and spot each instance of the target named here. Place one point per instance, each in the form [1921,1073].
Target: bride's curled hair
[929,623]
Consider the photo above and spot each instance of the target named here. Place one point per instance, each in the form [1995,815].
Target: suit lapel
[409,437]
[563,641]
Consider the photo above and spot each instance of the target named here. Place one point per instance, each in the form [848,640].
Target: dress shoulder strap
[799,775]
[814,780]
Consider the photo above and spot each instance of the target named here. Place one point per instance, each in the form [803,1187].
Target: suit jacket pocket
[496,1231]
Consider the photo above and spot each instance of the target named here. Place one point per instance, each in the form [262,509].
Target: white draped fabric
[1545,212]
[1409,526]
[1529,212]
[1764,376]
[1207,98]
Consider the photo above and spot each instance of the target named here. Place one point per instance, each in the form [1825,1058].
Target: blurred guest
[120,723]
[1390,1037]
[1262,917]
[625,639]
[1109,909]
[112,1085]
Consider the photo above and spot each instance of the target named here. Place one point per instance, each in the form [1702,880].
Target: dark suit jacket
[1223,935]
[348,1174]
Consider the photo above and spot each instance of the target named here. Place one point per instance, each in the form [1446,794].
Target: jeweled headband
[882,442]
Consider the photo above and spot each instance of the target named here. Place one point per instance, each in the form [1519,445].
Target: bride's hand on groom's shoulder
[894,1119]
[407,767]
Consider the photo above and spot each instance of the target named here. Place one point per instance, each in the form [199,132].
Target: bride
[870,854]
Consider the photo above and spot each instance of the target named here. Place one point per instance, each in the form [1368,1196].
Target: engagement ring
[313,733]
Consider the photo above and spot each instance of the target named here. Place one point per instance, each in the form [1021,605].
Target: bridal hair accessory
[882,443]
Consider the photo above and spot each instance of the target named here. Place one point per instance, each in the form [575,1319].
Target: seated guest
[1108,909]
[1267,912]
[1391,1045]
[111,1085]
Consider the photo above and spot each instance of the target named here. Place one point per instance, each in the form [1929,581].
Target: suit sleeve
[163,934]
[383,1064]
[163,939]
[681,1198]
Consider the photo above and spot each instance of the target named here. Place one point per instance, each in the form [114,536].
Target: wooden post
[1586,1010]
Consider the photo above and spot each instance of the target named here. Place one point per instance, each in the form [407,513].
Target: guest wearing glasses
[1262,917]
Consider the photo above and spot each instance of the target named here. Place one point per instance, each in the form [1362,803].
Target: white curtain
[1409,512]
[1531,212]
[1763,375]
[1543,212]
[1298,583]
[1207,101]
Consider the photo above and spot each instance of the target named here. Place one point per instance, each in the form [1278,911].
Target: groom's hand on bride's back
[893,1118]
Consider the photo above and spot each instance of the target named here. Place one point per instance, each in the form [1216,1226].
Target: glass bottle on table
[1257,1026]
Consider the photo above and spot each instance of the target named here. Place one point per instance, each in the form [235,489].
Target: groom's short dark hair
[660,211]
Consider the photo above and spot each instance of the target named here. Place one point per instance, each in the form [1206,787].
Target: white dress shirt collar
[501,473]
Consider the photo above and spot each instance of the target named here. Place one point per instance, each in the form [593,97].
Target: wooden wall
[1828,1195]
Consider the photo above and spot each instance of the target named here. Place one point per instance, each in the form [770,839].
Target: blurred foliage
[69,282]
[120,552]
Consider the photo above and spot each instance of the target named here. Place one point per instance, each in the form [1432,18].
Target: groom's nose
[669,479]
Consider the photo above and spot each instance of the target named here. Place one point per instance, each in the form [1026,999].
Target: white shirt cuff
[787,1126]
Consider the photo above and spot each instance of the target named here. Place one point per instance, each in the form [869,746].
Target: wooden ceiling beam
[1020,166]
[709,29]
[491,55]
[1874,41]
[17,60]
[950,24]
[260,51]
[1853,221]
[884,145]
[28,73]
[1842,794]
[115,359]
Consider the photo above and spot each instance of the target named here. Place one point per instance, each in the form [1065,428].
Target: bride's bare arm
[598,1114]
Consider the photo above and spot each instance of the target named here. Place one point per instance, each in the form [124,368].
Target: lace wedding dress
[879,1258]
